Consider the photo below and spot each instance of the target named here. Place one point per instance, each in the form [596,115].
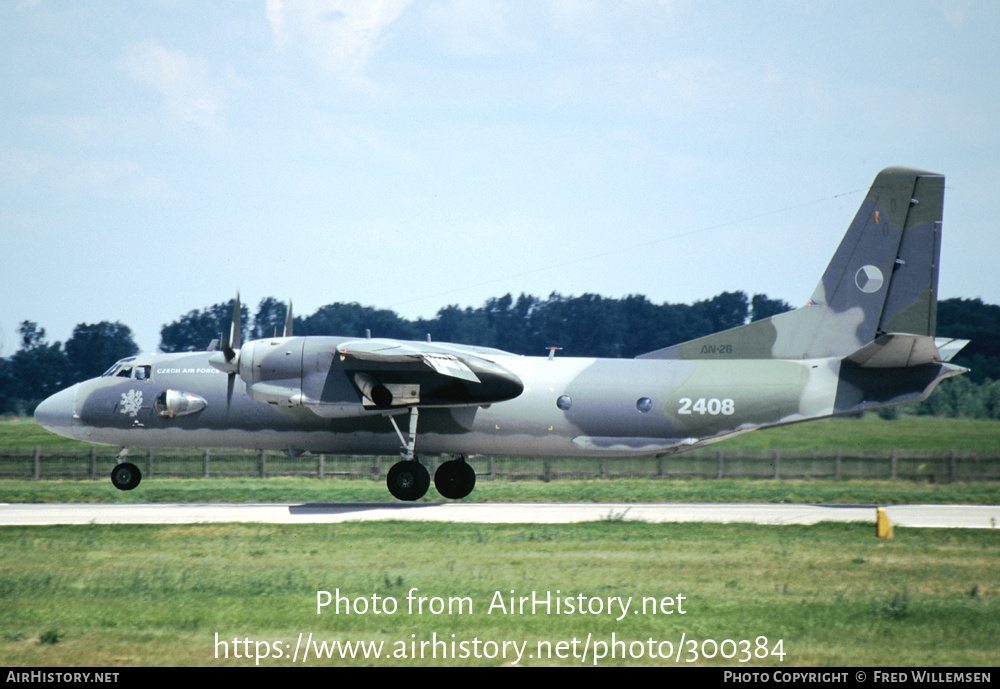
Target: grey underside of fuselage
[603,418]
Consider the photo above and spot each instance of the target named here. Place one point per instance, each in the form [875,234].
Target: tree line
[588,325]
[39,369]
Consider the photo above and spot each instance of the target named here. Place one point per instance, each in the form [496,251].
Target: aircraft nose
[58,412]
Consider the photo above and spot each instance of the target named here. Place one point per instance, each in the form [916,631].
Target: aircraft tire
[126,476]
[455,479]
[408,480]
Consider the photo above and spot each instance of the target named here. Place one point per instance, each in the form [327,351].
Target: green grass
[872,432]
[283,489]
[869,432]
[832,593]
[17,433]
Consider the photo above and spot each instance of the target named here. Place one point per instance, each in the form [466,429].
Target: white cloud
[472,27]
[190,94]
[954,12]
[339,35]
[65,177]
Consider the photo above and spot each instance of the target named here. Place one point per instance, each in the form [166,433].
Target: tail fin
[882,279]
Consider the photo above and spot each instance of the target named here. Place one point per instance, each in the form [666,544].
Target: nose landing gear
[126,476]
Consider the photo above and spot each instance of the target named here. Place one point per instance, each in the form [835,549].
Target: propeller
[228,360]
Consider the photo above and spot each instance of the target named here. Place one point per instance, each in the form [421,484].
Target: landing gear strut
[408,479]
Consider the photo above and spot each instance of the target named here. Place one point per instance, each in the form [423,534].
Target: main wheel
[126,476]
[455,479]
[408,480]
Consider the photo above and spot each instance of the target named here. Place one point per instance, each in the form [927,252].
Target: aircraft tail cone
[883,527]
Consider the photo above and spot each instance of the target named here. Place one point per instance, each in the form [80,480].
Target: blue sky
[157,156]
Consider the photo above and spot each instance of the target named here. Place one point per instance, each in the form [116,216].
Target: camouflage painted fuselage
[568,406]
[865,340]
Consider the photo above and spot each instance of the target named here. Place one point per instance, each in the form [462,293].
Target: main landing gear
[409,479]
[455,479]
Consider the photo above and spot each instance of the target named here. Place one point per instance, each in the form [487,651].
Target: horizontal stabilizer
[949,347]
[902,350]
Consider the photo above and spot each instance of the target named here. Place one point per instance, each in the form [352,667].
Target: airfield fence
[836,464]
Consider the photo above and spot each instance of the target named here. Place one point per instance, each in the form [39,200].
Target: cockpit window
[121,370]
[142,372]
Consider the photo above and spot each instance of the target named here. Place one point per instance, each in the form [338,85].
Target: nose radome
[58,411]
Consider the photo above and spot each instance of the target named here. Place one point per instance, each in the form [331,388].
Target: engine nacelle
[298,371]
[272,370]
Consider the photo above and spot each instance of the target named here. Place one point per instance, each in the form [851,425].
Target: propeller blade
[231,341]
[237,325]
[288,320]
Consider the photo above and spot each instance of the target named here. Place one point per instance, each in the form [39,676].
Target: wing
[391,373]
[382,353]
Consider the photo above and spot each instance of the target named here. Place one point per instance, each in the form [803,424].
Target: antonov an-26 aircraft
[866,339]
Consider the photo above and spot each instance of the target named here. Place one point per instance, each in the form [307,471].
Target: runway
[921,516]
